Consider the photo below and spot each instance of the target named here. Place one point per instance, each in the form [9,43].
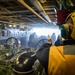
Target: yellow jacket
[61,60]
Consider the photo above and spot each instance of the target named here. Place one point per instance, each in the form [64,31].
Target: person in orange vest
[60,60]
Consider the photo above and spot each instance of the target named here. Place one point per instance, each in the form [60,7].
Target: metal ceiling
[34,13]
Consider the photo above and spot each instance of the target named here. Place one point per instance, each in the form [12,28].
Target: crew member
[60,60]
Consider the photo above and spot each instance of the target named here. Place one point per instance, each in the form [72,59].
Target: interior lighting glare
[10,25]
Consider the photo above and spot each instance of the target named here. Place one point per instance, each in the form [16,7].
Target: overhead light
[42,1]
[14,26]
[22,26]
[10,26]
[55,10]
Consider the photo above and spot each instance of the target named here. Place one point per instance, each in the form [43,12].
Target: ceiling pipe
[16,17]
[7,22]
[16,23]
[38,5]
[28,7]
[13,12]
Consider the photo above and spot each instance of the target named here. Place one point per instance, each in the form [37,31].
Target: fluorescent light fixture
[10,25]
[14,26]
[55,10]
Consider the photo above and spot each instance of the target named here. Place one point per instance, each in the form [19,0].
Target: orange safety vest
[61,60]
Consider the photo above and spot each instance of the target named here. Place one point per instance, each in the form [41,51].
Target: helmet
[24,63]
[61,15]
[68,29]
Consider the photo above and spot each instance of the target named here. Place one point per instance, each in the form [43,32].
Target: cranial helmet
[68,29]
[24,63]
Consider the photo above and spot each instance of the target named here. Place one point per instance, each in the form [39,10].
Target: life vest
[61,60]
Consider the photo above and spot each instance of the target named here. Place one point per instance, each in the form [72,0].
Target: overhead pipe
[15,23]
[7,22]
[13,12]
[11,17]
[28,7]
[38,5]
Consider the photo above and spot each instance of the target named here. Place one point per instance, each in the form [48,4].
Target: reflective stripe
[69,50]
[23,72]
